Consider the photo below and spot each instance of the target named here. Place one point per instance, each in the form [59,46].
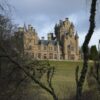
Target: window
[55,49]
[39,48]
[50,48]
[39,55]
[50,56]
[72,48]
[45,56]
[33,55]
[72,57]
[61,57]
[45,48]
[55,56]
[68,46]
[30,47]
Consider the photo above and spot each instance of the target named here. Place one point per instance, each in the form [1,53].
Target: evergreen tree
[93,52]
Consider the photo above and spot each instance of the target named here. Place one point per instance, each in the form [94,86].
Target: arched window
[50,56]
[45,47]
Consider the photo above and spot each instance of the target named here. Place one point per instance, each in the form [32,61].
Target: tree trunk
[85,50]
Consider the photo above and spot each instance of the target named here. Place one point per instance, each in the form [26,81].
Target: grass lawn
[64,78]
[63,81]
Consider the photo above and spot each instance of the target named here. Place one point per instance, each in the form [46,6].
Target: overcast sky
[44,14]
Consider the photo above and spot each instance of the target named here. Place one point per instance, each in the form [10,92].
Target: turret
[67,23]
[57,31]
[66,19]
[60,22]
[76,36]
[64,27]
[50,36]
[65,47]
[25,27]
[76,39]
[30,28]
[20,29]
[72,25]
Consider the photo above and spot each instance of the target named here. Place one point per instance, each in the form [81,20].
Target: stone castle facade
[60,45]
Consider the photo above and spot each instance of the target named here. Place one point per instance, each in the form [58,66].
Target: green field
[64,78]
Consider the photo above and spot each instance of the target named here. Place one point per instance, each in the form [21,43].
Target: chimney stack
[42,38]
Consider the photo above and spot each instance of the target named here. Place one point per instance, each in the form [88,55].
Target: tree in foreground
[80,80]
[93,55]
[49,71]
[11,61]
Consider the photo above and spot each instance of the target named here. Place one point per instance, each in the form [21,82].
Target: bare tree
[8,51]
[81,79]
[49,71]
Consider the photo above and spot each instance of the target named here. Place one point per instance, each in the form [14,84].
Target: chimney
[66,19]
[34,30]
[29,27]
[60,22]
[42,38]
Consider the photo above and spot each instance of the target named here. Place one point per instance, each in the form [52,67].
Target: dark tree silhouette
[93,54]
[8,51]
[82,77]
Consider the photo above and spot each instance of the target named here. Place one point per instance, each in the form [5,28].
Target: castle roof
[46,42]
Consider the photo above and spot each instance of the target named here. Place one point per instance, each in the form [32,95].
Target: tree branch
[85,49]
[29,75]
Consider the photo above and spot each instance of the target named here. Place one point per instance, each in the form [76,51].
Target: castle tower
[77,44]
[65,47]
[57,32]
[63,27]
[30,28]
[71,29]
[30,40]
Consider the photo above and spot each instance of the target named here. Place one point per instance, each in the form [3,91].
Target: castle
[60,45]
